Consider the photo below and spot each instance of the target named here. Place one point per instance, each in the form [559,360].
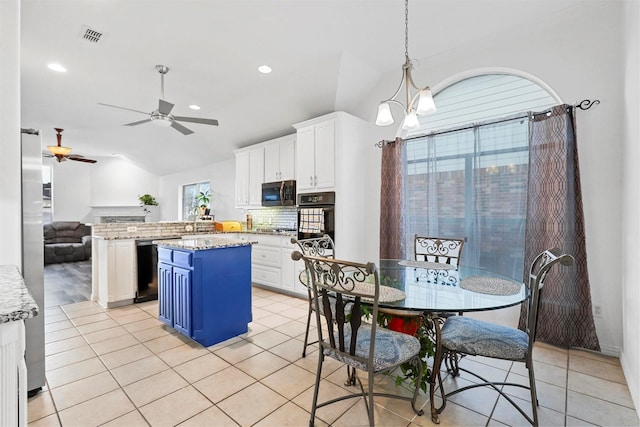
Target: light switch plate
[132,229]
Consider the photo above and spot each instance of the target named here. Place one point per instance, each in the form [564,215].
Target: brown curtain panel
[392,235]
[555,219]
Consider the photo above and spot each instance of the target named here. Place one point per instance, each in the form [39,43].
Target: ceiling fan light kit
[61,153]
[162,116]
[423,98]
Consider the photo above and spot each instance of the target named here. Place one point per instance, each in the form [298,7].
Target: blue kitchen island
[204,287]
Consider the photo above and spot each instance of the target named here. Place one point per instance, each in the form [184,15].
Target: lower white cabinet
[117,269]
[13,371]
[271,263]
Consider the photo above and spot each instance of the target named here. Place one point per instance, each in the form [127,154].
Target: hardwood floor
[67,283]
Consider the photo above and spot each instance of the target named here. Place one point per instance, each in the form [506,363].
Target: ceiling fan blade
[183,130]
[213,122]
[137,123]
[80,158]
[47,154]
[122,108]
[164,107]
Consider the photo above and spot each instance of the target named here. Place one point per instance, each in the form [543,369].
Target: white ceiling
[325,55]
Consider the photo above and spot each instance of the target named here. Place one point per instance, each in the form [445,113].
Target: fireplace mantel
[145,213]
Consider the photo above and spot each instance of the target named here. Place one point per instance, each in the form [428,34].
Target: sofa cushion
[66,241]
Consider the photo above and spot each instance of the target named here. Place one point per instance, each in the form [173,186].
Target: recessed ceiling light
[57,67]
[264,69]
[194,107]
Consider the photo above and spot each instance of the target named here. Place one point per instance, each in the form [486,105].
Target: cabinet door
[272,162]
[165,293]
[256,176]
[325,155]
[305,158]
[287,158]
[242,178]
[182,300]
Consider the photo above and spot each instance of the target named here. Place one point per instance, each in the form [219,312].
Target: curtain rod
[583,105]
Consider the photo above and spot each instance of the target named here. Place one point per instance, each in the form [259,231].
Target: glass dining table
[436,290]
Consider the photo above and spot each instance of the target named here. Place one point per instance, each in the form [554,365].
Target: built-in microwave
[279,193]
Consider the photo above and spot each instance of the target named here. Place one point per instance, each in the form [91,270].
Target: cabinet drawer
[182,259]
[265,256]
[165,255]
[266,275]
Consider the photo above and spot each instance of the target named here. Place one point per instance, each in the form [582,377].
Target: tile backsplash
[282,218]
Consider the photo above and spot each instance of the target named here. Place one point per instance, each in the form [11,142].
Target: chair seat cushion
[391,348]
[478,338]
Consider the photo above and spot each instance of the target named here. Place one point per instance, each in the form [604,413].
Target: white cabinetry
[115,281]
[249,176]
[265,260]
[315,155]
[13,370]
[279,159]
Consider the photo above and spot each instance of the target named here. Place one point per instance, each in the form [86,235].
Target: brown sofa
[66,241]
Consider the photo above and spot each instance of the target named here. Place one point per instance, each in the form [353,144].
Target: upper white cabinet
[249,176]
[279,159]
[315,155]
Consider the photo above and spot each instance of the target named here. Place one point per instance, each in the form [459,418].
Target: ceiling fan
[162,115]
[61,153]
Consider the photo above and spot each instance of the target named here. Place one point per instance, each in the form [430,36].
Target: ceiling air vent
[90,35]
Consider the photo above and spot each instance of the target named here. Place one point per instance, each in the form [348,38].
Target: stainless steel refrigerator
[33,254]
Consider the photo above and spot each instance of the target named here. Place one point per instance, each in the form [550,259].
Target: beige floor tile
[295,328]
[69,357]
[183,353]
[272,320]
[600,412]
[56,326]
[544,372]
[261,302]
[290,350]
[64,345]
[399,406]
[289,381]
[114,344]
[210,417]
[97,326]
[255,329]
[141,325]
[296,313]
[223,384]
[262,364]
[80,317]
[76,306]
[105,334]
[154,387]
[574,422]
[599,388]
[132,419]
[327,390]
[454,416]
[549,395]
[258,313]
[55,318]
[60,334]
[40,406]
[277,307]
[166,342]
[593,355]
[251,404]
[152,333]
[268,339]
[82,390]
[357,415]
[288,415]
[238,351]
[481,399]
[597,368]
[197,369]
[133,317]
[507,414]
[112,405]
[488,372]
[74,372]
[230,341]
[148,305]
[175,407]
[550,355]
[125,310]
[135,371]
[126,355]
[91,318]
[48,421]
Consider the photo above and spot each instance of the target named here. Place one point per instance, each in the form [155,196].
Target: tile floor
[122,367]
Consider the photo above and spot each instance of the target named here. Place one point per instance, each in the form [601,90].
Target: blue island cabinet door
[182,300]
[165,293]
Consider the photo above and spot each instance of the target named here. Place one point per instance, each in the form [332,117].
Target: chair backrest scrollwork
[438,249]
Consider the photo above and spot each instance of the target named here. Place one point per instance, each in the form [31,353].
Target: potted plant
[203,199]
[147,200]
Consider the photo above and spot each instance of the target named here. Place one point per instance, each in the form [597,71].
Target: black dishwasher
[147,254]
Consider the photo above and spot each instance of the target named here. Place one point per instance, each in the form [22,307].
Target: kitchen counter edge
[16,303]
[202,243]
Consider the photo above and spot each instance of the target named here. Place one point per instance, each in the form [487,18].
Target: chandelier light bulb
[410,121]
[425,102]
[384,117]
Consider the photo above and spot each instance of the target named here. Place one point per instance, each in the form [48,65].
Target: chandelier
[420,103]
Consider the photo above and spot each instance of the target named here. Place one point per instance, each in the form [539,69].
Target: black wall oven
[316,215]
[279,193]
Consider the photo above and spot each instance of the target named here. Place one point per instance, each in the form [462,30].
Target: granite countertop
[16,303]
[203,243]
[139,236]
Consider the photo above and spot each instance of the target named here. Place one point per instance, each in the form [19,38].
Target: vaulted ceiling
[326,55]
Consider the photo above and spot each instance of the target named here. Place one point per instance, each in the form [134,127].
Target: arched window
[466,171]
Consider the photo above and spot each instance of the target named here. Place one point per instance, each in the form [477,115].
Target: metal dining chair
[468,336]
[361,346]
[321,247]
[438,249]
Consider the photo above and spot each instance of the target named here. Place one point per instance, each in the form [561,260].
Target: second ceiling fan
[162,115]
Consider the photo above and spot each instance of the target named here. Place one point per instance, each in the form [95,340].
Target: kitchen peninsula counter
[202,243]
[16,303]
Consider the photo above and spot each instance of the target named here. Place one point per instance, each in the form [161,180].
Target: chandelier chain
[406,29]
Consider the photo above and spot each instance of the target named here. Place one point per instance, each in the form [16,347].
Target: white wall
[70,190]
[10,172]
[630,357]
[221,176]
[579,55]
